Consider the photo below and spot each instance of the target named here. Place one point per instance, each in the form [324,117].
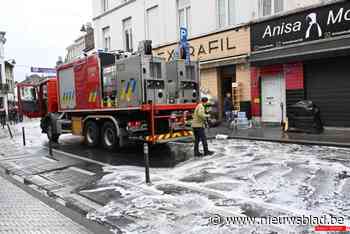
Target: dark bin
[306,117]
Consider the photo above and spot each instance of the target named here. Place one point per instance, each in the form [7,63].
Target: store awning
[326,48]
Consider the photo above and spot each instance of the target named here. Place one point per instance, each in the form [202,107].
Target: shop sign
[314,24]
[42,70]
[203,49]
[213,46]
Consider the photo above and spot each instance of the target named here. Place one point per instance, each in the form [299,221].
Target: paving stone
[22,213]
[36,165]
[63,182]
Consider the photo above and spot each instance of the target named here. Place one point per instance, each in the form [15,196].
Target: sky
[39,31]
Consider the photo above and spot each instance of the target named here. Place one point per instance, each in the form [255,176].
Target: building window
[184,14]
[105,5]
[278,6]
[226,12]
[153,24]
[127,35]
[270,7]
[106,37]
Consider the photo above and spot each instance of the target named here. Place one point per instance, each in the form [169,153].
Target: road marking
[86,201]
[61,201]
[82,171]
[18,178]
[49,159]
[79,157]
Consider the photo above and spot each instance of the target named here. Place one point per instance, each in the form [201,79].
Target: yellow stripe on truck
[177,134]
[169,136]
[161,137]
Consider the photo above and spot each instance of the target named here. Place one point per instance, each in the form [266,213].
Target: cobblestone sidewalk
[22,213]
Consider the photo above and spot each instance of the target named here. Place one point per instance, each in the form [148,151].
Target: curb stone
[57,203]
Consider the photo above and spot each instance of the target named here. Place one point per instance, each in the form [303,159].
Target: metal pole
[146,155]
[24,136]
[8,127]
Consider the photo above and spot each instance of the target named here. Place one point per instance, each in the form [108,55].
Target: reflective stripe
[177,134]
[169,136]
[161,137]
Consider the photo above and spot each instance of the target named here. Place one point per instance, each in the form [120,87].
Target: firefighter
[198,124]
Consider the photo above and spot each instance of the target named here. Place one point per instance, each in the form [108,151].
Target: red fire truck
[110,99]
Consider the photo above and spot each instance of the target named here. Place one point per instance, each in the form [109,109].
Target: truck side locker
[129,82]
[108,80]
[189,83]
[66,82]
[182,78]
[154,78]
[173,71]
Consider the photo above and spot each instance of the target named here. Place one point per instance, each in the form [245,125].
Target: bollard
[146,155]
[24,136]
[8,127]
[50,147]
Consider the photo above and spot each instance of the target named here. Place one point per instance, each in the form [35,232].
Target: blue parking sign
[183,34]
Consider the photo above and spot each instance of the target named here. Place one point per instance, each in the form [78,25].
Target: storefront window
[184,14]
[221,13]
[226,12]
[106,38]
[105,5]
[153,25]
[128,39]
[266,7]
[278,6]
[269,7]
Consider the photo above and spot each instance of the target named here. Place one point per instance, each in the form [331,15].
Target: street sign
[183,35]
[184,44]
[42,70]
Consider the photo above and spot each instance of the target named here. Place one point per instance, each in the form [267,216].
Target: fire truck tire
[91,134]
[110,139]
[51,135]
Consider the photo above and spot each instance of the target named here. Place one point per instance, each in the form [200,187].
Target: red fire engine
[112,98]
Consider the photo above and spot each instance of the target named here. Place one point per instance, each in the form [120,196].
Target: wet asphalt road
[243,178]
[161,156]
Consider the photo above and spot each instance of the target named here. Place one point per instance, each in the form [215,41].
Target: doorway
[228,76]
[273,97]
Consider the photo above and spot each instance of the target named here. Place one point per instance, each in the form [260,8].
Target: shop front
[302,56]
[224,66]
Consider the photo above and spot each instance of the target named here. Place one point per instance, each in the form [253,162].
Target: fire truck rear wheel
[91,134]
[110,139]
